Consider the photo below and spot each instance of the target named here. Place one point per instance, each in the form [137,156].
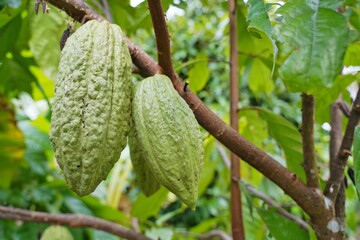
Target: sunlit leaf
[260,77]
[259,24]
[313,43]
[208,170]
[141,209]
[199,73]
[288,137]
[352,55]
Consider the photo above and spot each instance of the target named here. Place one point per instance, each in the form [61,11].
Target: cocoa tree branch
[72,220]
[307,133]
[337,167]
[237,224]
[309,200]
[336,114]
[162,37]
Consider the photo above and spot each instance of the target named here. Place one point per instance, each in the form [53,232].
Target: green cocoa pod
[170,137]
[56,232]
[91,112]
[144,176]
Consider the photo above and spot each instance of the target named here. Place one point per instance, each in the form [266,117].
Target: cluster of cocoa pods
[97,108]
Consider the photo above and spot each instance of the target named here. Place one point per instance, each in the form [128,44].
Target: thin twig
[215,234]
[309,200]
[72,220]
[337,167]
[162,38]
[307,132]
[107,10]
[261,195]
[278,208]
[237,225]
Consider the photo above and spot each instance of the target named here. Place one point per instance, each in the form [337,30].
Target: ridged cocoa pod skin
[170,137]
[144,176]
[91,112]
[55,232]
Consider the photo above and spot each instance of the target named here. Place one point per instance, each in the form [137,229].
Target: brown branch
[162,38]
[237,224]
[262,196]
[336,113]
[310,201]
[337,167]
[307,132]
[72,220]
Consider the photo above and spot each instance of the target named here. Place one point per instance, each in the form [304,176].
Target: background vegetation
[269,116]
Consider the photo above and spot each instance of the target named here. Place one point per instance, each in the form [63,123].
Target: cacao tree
[296,66]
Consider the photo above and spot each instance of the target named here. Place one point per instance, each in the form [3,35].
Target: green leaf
[105,211]
[288,137]
[282,228]
[141,209]
[199,73]
[46,32]
[260,77]
[9,34]
[7,14]
[356,159]
[253,127]
[352,55]
[205,226]
[27,230]
[331,4]
[208,171]
[259,24]
[313,43]
[75,205]
[327,96]
[15,78]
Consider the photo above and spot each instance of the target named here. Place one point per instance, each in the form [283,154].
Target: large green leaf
[326,97]
[260,77]
[9,34]
[288,137]
[145,207]
[352,55]
[356,159]
[313,43]
[282,228]
[7,14]
[46,32]
[199,73]
[208,171]
[259,23]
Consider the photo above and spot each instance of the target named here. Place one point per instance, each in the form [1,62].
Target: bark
[307,133]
